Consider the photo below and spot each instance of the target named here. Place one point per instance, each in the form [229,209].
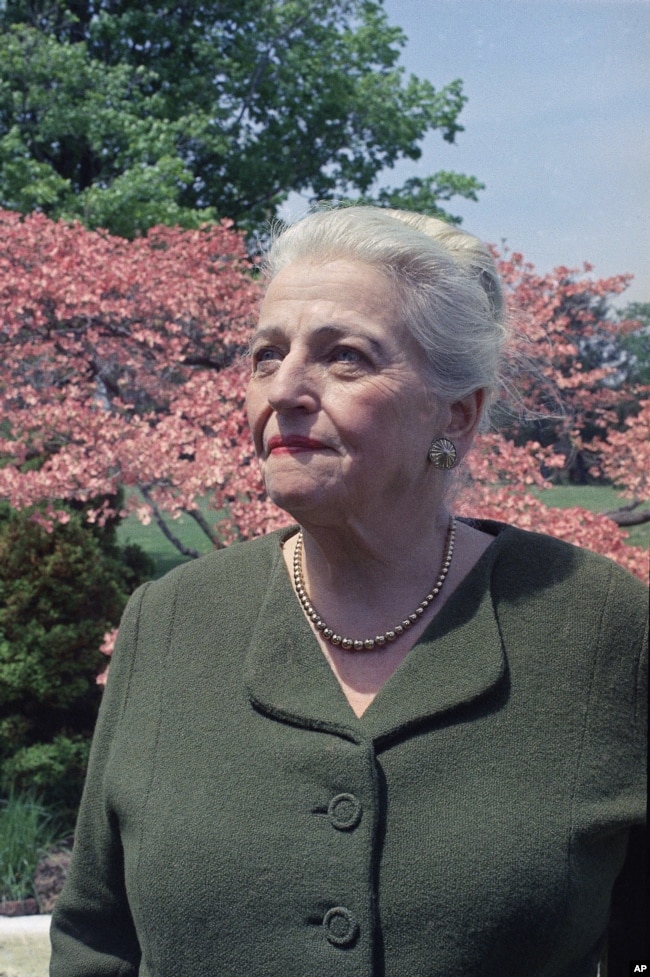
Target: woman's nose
[293,386]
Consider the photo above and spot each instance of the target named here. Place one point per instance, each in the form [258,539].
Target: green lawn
[151,539]
[595,498]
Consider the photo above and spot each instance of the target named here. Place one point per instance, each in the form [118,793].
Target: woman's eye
[266,354]
[347,354]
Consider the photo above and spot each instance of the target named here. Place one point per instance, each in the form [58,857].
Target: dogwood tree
[568,360]
[122,365]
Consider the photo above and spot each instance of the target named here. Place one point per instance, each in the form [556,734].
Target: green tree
[635,341]
[126,114]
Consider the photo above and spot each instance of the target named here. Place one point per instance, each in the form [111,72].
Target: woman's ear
[465,416]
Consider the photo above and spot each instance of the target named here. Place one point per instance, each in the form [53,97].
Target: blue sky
[557,124]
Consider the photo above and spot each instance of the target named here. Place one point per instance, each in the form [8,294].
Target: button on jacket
[240,821]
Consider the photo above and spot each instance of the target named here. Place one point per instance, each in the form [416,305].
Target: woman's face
[341,414]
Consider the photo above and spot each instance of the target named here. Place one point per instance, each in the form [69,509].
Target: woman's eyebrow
[327,331]
[271,334]
[336,331]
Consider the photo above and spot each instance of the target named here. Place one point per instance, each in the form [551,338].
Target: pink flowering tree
[122,366]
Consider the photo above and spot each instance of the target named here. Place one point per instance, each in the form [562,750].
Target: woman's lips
[292,444]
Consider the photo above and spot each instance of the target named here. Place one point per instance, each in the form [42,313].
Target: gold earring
[443,454]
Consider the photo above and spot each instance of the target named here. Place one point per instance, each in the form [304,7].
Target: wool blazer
[239,820]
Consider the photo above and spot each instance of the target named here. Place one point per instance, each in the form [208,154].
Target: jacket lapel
[458,660]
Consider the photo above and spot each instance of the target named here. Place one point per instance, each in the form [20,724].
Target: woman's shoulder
[526,564]
[544,553]
[234,566]
[218,589]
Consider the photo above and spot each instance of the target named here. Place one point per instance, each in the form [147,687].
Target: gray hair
[445,280]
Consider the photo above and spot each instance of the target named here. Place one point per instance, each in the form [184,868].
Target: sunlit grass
[595,498]
[156,544]
[27,831]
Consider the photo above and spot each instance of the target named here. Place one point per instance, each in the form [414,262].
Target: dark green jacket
[240,821]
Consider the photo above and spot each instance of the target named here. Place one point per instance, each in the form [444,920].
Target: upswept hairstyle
[445,280]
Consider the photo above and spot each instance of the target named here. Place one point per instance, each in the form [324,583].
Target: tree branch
[625,516]
[164,528]
[205,526]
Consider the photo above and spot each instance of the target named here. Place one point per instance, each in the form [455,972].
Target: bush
[55,770]
[61,589]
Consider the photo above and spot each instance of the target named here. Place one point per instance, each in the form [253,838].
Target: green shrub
[60,591]
[55,770]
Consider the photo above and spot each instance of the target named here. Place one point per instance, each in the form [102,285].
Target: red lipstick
[292,444]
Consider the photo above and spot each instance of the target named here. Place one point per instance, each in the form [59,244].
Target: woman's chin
[298,500]
[296,505]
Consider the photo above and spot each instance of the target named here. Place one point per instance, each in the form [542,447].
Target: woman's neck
[362,595]
[367,582]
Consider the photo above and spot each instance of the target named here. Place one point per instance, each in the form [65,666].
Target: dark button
[340,926]
[344,811]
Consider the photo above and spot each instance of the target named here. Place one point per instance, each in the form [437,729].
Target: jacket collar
[457,661]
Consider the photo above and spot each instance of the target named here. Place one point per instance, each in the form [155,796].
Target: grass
[595,498]
[156,544]
[27,831]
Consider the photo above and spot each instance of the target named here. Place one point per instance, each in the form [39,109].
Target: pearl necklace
[381,640]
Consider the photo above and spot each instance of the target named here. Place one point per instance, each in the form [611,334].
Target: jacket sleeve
[92,931]
[629,931]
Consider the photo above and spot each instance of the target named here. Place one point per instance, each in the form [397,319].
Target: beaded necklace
[380,640]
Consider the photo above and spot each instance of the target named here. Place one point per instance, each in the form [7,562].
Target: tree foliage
[577,379]
[128,114]
[635,342]
[122,364]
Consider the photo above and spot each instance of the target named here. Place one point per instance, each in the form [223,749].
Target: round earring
[443,454]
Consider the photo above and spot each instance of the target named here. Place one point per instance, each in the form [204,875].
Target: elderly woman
[385,742]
